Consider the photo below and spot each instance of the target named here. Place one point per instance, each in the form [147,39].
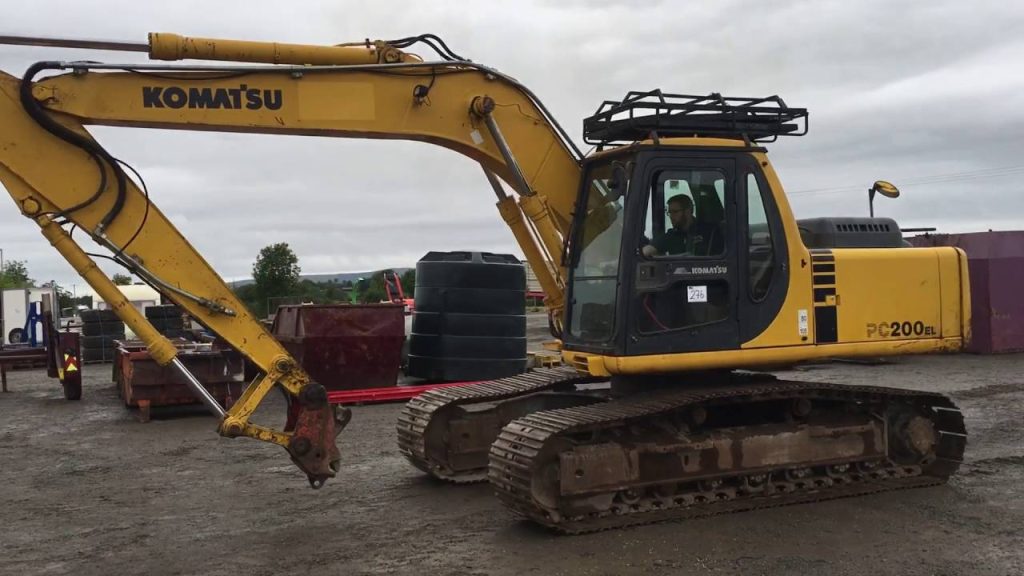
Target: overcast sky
[926,94]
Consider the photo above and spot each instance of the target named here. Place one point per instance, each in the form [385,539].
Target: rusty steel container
[995,262]
[344,346]
[142,383]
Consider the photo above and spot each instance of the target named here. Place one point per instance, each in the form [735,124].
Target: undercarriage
[577,456]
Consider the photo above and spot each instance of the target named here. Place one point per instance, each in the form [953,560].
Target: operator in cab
[687,235]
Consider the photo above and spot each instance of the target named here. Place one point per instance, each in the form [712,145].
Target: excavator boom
[372,90]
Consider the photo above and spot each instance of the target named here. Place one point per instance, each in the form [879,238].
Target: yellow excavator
[675,274]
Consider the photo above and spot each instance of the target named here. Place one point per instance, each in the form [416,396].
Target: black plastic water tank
[167,319]
[469,321]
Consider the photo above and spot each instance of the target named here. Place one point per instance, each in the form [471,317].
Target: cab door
[764,270]
[686,280]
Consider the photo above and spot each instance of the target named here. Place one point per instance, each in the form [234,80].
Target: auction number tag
[696,293]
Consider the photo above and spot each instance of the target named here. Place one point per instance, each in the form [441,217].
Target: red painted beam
[388,394]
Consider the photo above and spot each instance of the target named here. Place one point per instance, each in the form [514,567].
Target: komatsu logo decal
[700,270]
[239,98]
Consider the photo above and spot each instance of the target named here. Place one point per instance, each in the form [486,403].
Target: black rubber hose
[98,154]
[442,50]
[443,45]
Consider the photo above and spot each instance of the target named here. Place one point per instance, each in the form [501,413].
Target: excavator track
[436,434]
[596,467]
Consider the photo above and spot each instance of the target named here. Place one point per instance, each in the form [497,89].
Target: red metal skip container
[344,346]
[995,262]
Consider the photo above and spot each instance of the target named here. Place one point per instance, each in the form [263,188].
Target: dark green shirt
[699,240]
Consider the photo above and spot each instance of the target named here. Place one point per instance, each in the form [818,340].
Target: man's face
[680,214]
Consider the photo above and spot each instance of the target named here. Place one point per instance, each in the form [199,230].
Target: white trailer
[14,309]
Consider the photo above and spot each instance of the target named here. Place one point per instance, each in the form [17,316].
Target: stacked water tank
[469,321]
[168,320]
[100,329]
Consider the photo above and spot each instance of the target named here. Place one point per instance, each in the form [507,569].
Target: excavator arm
[64,181]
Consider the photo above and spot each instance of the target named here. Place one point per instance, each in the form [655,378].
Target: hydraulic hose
[101,157]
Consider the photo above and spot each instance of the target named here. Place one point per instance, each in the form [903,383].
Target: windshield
[596,264]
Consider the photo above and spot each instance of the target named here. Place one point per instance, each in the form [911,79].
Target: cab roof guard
[642,115]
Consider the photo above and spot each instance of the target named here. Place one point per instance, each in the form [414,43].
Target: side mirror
[884,188]
[619,181]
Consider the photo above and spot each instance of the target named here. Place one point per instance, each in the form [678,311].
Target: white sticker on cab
[696,293]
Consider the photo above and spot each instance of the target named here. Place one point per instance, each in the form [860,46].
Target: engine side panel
[888,294]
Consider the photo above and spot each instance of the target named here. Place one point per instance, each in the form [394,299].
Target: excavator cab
[724,279]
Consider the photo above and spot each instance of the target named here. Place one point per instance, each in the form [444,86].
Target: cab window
[761,257]
[686,215]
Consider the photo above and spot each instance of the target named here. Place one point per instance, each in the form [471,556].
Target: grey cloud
[897,90]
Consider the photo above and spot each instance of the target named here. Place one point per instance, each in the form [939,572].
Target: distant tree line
[276,281]
[15,275]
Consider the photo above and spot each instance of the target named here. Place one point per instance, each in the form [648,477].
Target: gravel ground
[86,489]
